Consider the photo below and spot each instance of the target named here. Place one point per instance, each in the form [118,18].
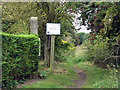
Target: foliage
[54,12]
[60,52]
[16,18]
[42,75]
[100,51]
[20,59]
[79,55]
[80,38]
[103,84]
[94,13]
[114,75]
[111,21]
[103,20]
[114,80]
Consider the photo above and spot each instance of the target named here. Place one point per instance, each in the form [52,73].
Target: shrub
[113,81]
[42,75]
[100,50]
[103,84]
[20,57]
[61,47]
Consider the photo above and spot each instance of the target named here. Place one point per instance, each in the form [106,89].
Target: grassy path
[81,77]
[74,73]
[62,77]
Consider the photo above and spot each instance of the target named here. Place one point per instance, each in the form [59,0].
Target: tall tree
[16,18]
[52,12]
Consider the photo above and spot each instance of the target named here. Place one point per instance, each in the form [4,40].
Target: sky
[77,24]
[83,29]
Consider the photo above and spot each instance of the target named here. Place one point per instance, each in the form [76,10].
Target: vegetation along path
[75,72]
[63,71]
[79,81]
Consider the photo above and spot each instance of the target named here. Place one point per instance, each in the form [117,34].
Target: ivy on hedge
[20,57]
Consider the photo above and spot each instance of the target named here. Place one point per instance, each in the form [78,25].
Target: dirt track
[81,78]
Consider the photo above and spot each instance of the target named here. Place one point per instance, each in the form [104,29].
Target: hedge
[19,58]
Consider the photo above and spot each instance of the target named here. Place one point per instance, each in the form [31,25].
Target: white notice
[53,29]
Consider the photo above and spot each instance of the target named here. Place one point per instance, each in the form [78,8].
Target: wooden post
[52,54]
[52,29]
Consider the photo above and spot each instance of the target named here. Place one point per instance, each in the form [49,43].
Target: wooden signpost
[52,29]
[52,53]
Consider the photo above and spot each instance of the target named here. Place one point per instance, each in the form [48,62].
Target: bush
[103,84]
[20,57]
[100,51]
[61,47]
[113,81]
[42,75]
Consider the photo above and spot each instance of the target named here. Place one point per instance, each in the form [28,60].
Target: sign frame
[50,27]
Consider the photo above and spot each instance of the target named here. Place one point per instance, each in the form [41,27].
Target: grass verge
[96,77]
[58,79]
[94,74]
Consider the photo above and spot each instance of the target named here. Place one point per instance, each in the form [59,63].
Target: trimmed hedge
[20,58]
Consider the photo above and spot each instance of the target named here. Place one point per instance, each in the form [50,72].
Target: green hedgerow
[20,57]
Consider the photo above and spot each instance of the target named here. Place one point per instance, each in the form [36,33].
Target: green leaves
[20,58]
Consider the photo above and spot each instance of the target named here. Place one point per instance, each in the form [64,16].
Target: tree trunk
[45,51]
[48,51]
[47,44]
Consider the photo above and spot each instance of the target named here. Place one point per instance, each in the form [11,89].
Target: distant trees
[80,38]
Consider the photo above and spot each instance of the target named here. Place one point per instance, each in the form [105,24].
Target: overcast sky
[77,24]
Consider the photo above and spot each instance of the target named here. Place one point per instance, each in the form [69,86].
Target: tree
[53,13]
[16,18]
[98,15]
[103,19]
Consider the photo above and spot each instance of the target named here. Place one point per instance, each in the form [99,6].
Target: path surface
[30,81]
[81,78]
